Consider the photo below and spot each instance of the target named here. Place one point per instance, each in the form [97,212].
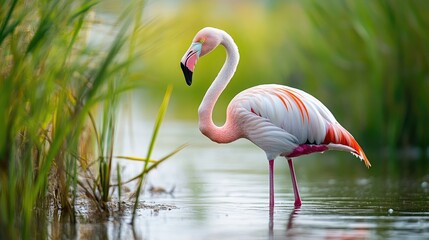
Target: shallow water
[221,192]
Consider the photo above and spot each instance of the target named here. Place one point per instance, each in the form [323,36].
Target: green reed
[59,99]
[38,76]
[158,121]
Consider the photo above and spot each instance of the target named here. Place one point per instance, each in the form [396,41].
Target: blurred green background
[367,61]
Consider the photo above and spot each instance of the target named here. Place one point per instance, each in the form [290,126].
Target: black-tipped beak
[187,73]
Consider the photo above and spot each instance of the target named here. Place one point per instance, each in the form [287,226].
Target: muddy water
[221,192]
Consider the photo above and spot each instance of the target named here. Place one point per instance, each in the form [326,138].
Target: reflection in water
[271,222]
[292,216]
[289,225]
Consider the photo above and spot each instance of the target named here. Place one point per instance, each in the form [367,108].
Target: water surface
[221,192]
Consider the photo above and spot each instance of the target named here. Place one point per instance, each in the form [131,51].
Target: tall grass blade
[7,28]
[118,173]
[158,121]
[140,159]
[154,165]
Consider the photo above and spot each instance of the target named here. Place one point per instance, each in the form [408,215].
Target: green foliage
[58,97]
[374,58]
[40,119]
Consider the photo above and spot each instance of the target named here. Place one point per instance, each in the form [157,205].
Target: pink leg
[271,162]
[298,202]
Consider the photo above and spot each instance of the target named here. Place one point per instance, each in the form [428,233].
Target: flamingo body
[289,122]
[281,120]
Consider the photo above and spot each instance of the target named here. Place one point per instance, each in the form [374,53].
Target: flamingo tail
[338,138]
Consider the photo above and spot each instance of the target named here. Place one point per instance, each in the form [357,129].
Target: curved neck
[226,133]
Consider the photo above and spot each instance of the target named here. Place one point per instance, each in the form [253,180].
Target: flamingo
[281,120]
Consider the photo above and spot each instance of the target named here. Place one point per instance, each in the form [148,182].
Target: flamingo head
[204,42]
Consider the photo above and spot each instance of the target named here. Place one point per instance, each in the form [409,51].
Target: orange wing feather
[338,135]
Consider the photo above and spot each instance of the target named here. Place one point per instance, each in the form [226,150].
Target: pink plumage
[281,120]
[296,122]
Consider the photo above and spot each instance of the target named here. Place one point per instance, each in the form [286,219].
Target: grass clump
[58,105]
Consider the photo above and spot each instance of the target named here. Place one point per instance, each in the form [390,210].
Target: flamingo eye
[202,40]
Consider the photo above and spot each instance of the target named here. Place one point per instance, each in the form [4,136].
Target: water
[221,192]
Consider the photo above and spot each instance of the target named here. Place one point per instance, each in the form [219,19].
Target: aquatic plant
[58,102]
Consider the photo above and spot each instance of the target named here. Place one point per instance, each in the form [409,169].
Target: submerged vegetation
[58,102]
